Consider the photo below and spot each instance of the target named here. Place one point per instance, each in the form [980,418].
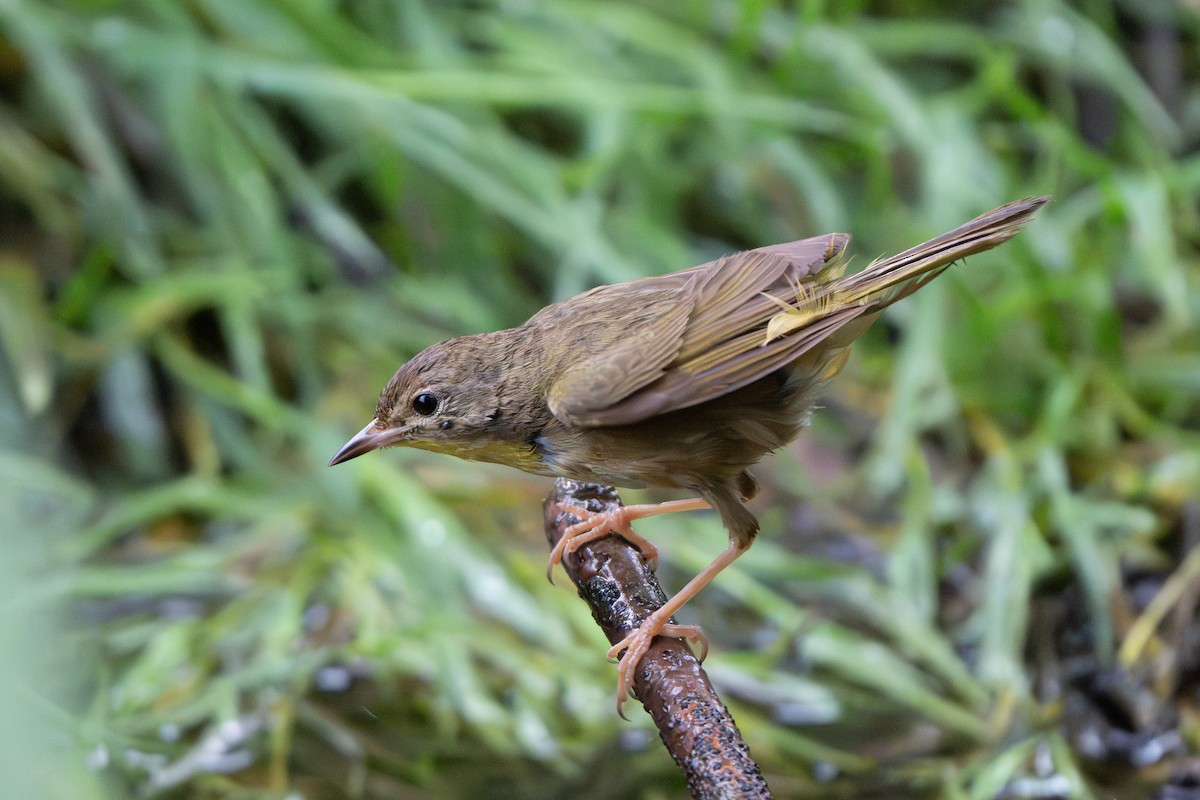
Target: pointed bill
[372,437]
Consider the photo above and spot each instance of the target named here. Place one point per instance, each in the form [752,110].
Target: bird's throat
[495,451]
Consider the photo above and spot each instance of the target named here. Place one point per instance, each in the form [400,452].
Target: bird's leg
[598,524]
[659,623]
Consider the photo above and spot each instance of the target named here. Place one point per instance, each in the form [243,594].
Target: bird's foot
[595,525]
[638,642]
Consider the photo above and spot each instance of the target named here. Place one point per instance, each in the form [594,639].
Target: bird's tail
[896,277]
[918,265]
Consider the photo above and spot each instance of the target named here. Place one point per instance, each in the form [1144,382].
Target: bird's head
[445,399]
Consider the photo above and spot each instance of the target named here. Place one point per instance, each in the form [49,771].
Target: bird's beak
[372,437]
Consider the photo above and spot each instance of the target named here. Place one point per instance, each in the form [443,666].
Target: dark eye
[425,403]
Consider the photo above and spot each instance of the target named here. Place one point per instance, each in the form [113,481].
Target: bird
[684,380]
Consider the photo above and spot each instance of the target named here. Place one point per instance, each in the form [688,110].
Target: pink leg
[596,525]
[637,643]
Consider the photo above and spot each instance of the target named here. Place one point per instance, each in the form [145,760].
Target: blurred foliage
[225,222]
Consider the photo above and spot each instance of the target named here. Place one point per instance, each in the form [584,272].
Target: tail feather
[926,261]
[890,279]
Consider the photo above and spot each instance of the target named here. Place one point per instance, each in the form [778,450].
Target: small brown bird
[683,380]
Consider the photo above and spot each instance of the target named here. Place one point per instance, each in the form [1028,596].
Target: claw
[595,525]
[637,643]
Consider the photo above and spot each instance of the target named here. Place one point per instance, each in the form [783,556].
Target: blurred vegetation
[226,222]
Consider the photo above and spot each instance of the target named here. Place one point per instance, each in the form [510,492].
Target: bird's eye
[425,403]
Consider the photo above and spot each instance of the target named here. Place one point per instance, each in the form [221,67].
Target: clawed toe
[634,647]
[592,525]
[595,525]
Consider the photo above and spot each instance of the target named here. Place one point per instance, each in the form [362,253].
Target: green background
[224,223]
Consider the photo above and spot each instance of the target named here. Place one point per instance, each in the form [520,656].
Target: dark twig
[622,591]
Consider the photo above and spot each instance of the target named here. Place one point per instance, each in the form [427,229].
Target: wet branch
[670,683]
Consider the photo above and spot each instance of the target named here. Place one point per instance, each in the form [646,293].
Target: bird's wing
[632,347]
[735,296]
[695,351]
[737,363]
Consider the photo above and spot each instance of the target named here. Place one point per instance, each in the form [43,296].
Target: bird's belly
[617,457]
[709,443]
[589,461]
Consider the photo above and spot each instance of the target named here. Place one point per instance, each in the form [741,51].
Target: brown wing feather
[745,360]
[637,352]
[721,343]
[700,310]
[732,295]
